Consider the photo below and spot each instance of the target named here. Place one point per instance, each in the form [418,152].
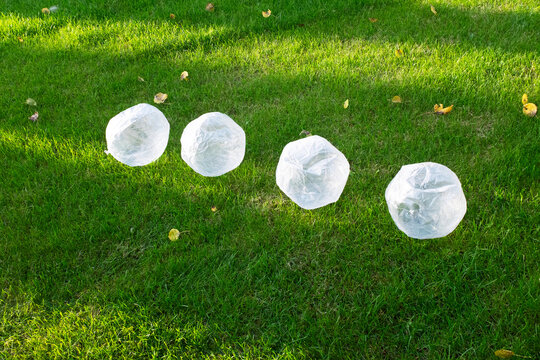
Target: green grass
[87,270]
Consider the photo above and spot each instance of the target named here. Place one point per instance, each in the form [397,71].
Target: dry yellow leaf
[396,99]
[373,20]
[441,110]
[184,75]
[172,16]
[140,79]
[213,208]
[530,109]
[160,98]
[346,104]
[524,99]
[504,354]
[266,13]
[433,9]
[209,7]
[399,52]
[20,39]
[45,11]
[174,234]
[31,102]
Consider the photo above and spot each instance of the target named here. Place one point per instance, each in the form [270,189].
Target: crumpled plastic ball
[426,200]
[213,144]
[137,136]
[312,172]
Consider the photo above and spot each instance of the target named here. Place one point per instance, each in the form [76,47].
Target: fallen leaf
[140,79]
[396,99]
[373,20]
[524,99]
[20,39]
[213,208]
[53,8]
[31,102]
[433,9]
[530,109]
[209,7]
[346,104]
[160,98]
[305,132]
[300,25]
[399,52]
[174,234]
[172,16]
[441,110]
[34,117]
[184,76]
[504,354]
[266,13]
[45,11]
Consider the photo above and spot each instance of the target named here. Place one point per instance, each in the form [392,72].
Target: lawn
[87,270]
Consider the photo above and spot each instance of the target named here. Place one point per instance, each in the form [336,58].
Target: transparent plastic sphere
[213,144]
[312,172]
[137,136]
[426,200]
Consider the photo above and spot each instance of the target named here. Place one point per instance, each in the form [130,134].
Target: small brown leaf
[172,16]
[524,99]
[433,9]
[160,98]
[174,234]
[346,104]
[31,102]
[20,39]
[209,7]
[266,13]
[399,52]
[373,20]
[184,76]
[34,117]
[45,11]
[504,354]
[396,99]
[530,109]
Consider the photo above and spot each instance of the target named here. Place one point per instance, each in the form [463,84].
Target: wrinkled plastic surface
[312,172]
[426,200]
[213,144]
[138,136]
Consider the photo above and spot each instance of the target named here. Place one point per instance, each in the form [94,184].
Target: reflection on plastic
[138,136]
[213,144]
[425,200]
[312,172]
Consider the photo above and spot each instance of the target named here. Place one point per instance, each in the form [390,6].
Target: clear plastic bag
[137,136]
[312,172]
[426,200]
[213,144]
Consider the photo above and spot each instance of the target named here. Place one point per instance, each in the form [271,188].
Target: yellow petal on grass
[433,9]
[399,52]
[213,208]
[346,104]
[524,99]
[504,354]
[373,20]
[45,11]
[209,7]
[396,99]
[530,109]
[160,98]
[266,13]
[184,76]
[441,110]
[174,234]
